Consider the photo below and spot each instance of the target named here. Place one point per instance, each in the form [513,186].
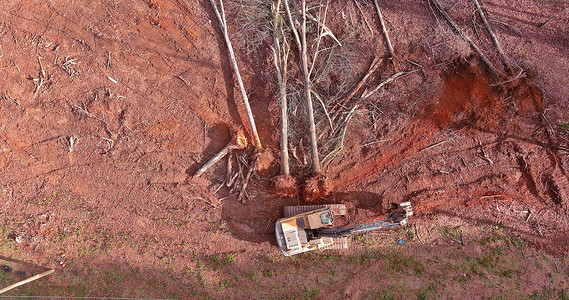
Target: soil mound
[316,188]
[285,186]
[265,163]
[466,98]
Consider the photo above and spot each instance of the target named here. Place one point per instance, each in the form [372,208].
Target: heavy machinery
[307,228]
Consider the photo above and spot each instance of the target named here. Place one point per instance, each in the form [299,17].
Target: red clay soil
[266,163]
[108,107]
[315,188]
[285,186]
[465,95]
[466,104]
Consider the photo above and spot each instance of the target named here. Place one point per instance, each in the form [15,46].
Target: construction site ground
[108,107]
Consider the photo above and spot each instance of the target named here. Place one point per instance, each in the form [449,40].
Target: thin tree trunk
[17,284]
[494,38]
[281,66]
[384,29]
[307,95]
[223,26]
[285,168]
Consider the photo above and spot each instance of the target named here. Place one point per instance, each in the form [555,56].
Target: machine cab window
[326,218]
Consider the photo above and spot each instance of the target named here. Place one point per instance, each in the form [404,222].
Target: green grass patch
[399,263]
[332,258]
[379,295]
[269,273]
[395,261]
[407,232]
[510,273]
[431,290]
[452,232]
[462,278]
[308,294]
[517,242]
[544,293]
[222,260]
[228,283]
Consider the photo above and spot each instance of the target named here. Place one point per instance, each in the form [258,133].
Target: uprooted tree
[315,85]
[297,17]
[306,56]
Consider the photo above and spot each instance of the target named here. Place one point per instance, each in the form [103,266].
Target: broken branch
[384,29]
[382,84]
[551,19]
[417,234]
[432,146]
[17,284]
[364,17]
[374,64]
[493,36]
[238,141]
[325,111]
[472,45]
[293,26]
[340,145]
[324,31]
[243,192]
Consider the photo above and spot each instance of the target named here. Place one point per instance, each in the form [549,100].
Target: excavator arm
[398,217]
[349,230]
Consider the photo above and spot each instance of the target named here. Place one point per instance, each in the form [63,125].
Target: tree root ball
[238,137]
[285,186]
[315,188]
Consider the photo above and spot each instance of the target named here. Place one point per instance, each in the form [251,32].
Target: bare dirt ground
[108,107]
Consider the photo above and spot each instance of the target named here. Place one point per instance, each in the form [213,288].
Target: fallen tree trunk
[223,26]
[493,36]
[238,142]
[472,45]
[307,95]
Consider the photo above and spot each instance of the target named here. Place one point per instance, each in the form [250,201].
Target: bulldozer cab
[292,235]
[319,219]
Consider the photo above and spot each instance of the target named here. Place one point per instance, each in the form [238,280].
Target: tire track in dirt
[467,100]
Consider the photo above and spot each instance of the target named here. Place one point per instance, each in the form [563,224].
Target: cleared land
[108,107]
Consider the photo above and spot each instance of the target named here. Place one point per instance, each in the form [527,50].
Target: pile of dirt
[465,99]
[315,188]
[285,186]
[266,163]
